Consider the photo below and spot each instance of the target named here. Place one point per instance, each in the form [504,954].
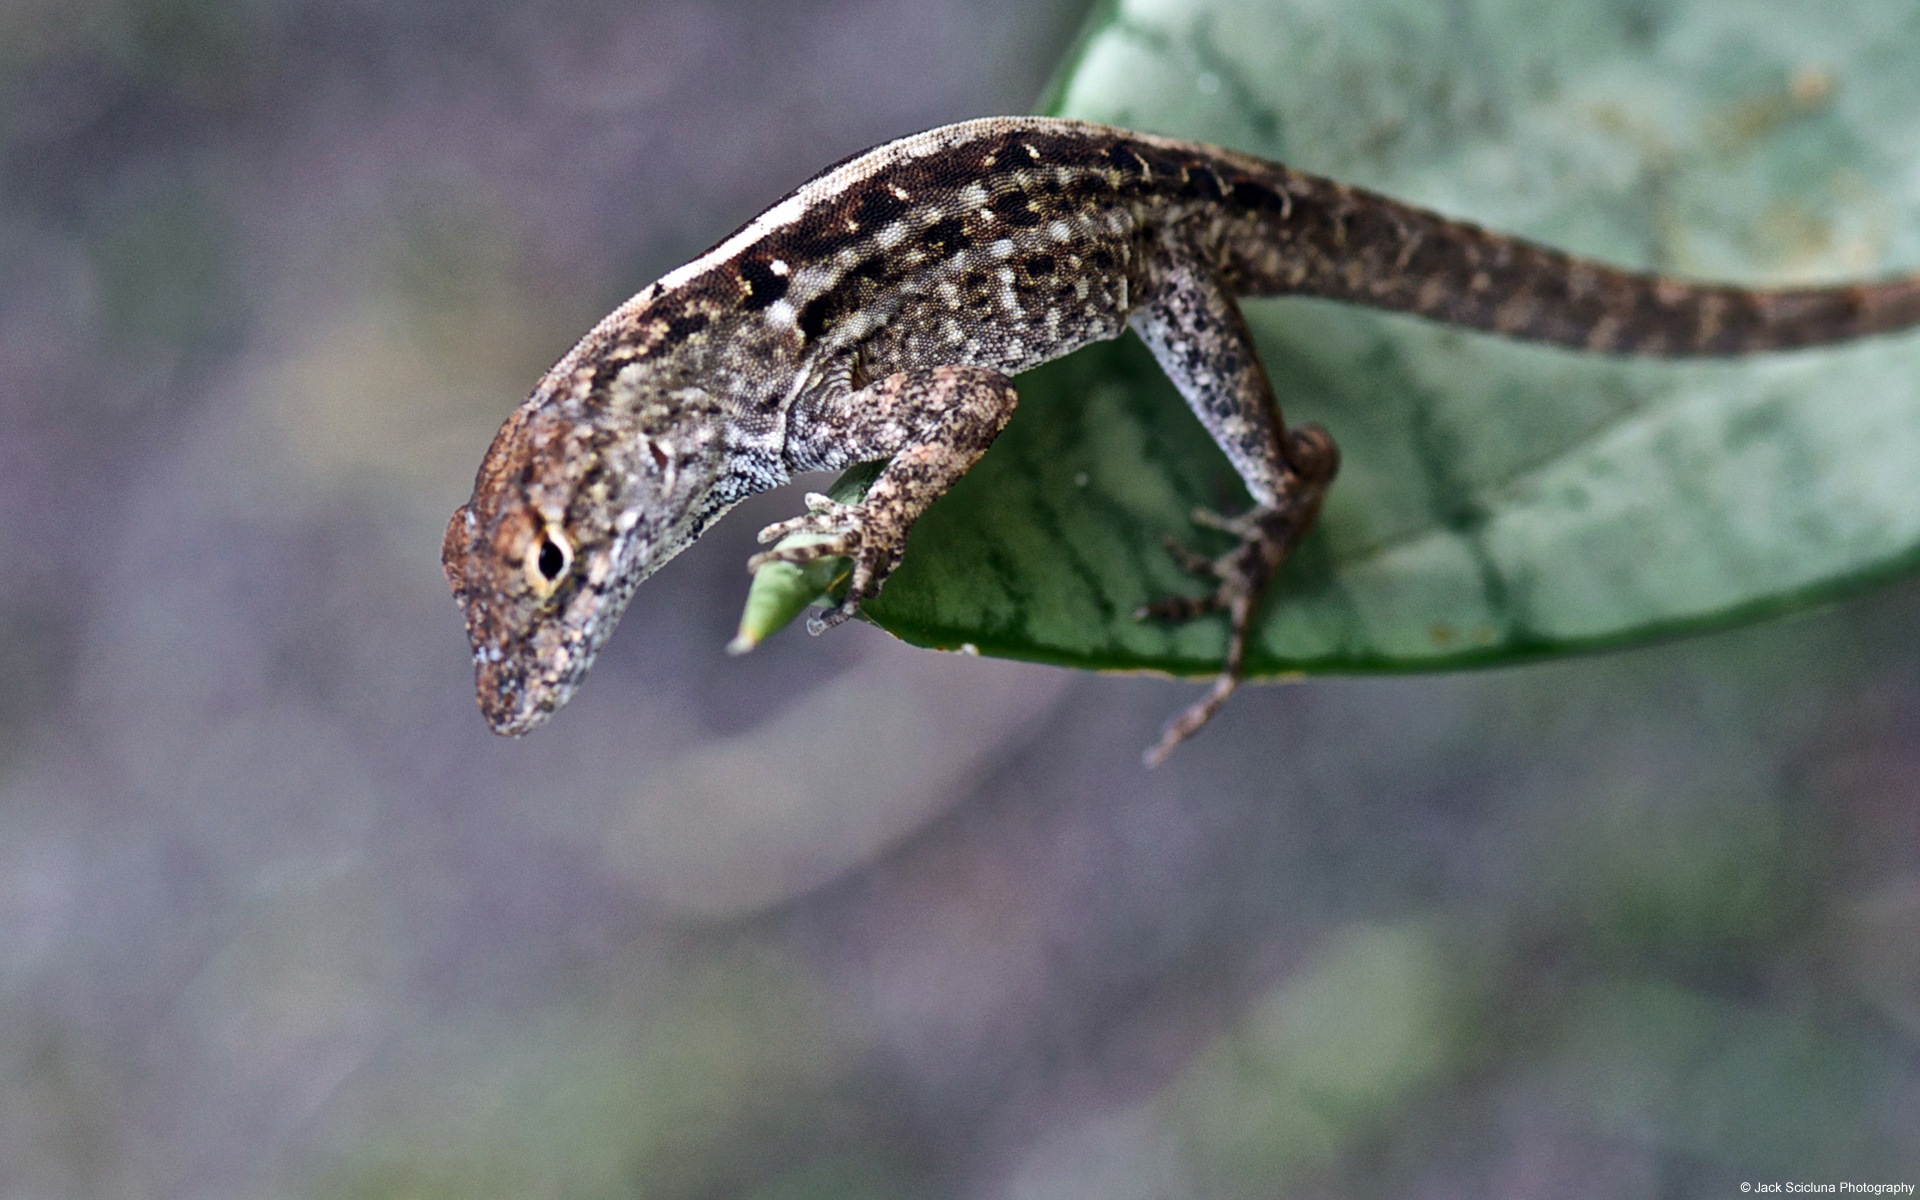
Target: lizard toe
[1180,608]
[839,614]
[800,553]
[1189,560]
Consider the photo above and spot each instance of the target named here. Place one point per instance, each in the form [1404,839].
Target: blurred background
[279,918]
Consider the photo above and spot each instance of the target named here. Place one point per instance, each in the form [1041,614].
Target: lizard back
[1005,242]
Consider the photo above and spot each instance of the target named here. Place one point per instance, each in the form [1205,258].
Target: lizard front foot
[834,530]
[1266,533]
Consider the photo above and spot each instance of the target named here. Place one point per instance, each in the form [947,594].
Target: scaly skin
[879,311]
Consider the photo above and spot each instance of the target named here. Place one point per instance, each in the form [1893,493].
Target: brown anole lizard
[880,311]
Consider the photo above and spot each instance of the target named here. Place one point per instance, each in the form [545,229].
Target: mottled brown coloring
[879,310]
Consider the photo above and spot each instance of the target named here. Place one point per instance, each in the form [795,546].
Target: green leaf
[1496,500]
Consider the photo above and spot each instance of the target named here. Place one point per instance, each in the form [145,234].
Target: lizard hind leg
[1199,338]
[929,424]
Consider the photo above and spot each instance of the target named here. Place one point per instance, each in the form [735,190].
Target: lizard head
[580,497]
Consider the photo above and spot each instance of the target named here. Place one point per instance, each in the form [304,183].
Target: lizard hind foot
[1236,594]
[1266,533]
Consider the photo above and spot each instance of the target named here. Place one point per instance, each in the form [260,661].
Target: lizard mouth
[510,704]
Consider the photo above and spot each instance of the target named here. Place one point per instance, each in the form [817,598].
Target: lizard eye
[548,558]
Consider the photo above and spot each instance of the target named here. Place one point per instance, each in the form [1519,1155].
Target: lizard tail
[1346,244]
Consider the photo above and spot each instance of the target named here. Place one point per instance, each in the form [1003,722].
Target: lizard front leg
[1197,334]
[930,424]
